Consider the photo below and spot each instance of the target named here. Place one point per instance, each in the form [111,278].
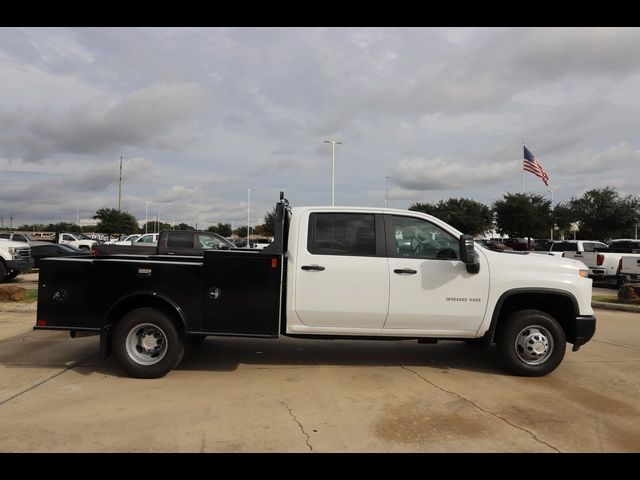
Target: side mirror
[468,254]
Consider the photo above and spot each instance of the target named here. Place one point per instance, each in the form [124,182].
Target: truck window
[4,235]
[342,234]
[180,240]
[564,247]
[418,238]
[204,240]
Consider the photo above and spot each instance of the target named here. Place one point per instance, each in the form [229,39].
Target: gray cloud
[443,112]
[441,174]
[141,119]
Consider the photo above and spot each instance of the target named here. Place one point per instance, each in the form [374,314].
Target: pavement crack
[484,410]
[32,387]
[295,419]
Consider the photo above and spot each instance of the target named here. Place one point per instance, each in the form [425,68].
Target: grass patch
[604,298]
[608,299]
[32,296]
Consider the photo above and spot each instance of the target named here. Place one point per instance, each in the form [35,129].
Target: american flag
[530,164]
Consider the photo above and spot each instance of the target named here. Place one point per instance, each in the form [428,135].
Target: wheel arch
[150,300]
[560,304]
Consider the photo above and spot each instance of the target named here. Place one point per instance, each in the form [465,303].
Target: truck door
[342,277]
[430,288]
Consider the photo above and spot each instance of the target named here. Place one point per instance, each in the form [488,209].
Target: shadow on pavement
[56,350]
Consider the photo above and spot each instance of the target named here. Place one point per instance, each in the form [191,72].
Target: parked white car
[76,240]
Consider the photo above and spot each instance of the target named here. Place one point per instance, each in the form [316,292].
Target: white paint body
[358,295]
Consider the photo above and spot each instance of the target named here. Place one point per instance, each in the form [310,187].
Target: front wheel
[146,343]
[531,343]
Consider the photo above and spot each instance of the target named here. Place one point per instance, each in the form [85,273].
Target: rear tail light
[620,264]
[41,323]
[94,250]
[600,259]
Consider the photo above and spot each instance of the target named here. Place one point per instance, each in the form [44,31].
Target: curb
[616,306]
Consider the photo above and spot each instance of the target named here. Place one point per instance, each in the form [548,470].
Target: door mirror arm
[468,254]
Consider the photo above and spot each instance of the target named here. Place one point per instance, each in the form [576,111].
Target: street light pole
[248,210]
[146,218]
[333,169]
[120,184]
[386,193]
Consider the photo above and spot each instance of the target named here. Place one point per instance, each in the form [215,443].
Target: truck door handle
[312,267]
[410,271]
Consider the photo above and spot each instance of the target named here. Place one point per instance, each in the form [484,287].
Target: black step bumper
[585,328]
[22,266]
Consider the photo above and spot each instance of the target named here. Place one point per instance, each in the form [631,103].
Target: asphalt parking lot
[252,395]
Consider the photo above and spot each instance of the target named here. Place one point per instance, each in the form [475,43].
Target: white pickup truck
[603,261]
[331,272]
[629,269]
[15,258]
[76,240]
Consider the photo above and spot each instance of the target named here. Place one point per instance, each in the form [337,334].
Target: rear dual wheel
[147,344]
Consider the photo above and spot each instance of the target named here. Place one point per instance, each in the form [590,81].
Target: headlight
[583,273]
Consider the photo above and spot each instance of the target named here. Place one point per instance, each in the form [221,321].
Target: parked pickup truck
[15,258]
[331,272]
[602,261]
[629,269]
[76,240]
[169,242]
[559,247]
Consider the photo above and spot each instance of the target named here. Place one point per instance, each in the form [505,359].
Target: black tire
[164,344]
[3,272]
[531,343]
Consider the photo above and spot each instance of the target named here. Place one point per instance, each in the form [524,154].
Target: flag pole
[522,169]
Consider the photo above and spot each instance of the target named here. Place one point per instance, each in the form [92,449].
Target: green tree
[428,208]
[64,227]
[111,220]
[563,217]
[223,229]
[241,231]
[184,226]
[523,215]
[468,216]
[269,227]
[604,215]
[154,226]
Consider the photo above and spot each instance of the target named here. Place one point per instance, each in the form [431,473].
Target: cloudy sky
[201,115]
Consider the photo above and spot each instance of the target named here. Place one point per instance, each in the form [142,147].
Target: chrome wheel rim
[534,345]
[146,344]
